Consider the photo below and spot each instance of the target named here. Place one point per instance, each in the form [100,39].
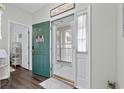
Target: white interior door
[25,61]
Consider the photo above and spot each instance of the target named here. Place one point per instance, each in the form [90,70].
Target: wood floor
[22,79]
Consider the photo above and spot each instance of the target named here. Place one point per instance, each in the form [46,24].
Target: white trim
[30,46]
[90,43]
[74,49]
[50,49]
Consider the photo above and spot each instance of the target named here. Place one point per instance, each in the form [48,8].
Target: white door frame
[53,48]
[51,35]
[29,45]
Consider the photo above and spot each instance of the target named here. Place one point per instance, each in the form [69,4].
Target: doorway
[71,54]
[63,66]
[19,45]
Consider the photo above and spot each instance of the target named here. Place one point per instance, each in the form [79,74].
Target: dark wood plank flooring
[22,79]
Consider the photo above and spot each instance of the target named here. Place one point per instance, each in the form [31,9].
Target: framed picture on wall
[61,9]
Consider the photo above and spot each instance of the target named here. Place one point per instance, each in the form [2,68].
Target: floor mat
[54,83]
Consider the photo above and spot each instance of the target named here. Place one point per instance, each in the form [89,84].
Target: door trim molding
[29,45]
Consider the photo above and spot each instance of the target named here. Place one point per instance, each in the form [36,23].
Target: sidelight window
[82,33]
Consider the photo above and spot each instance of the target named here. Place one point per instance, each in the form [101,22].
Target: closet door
[82,50]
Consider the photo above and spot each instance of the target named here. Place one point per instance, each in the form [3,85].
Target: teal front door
[40,49]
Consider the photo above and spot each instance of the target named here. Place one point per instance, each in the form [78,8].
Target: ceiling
[30,7]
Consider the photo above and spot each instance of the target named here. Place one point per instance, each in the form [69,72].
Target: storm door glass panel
[64,44]
[63,65]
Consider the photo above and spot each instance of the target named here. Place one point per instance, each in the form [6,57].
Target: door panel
[40,47]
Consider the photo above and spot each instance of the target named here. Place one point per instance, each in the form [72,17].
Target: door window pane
[64,29]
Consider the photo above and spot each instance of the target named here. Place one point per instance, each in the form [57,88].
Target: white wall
[104,26]
[43,14]
[14,14]
[120,50]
